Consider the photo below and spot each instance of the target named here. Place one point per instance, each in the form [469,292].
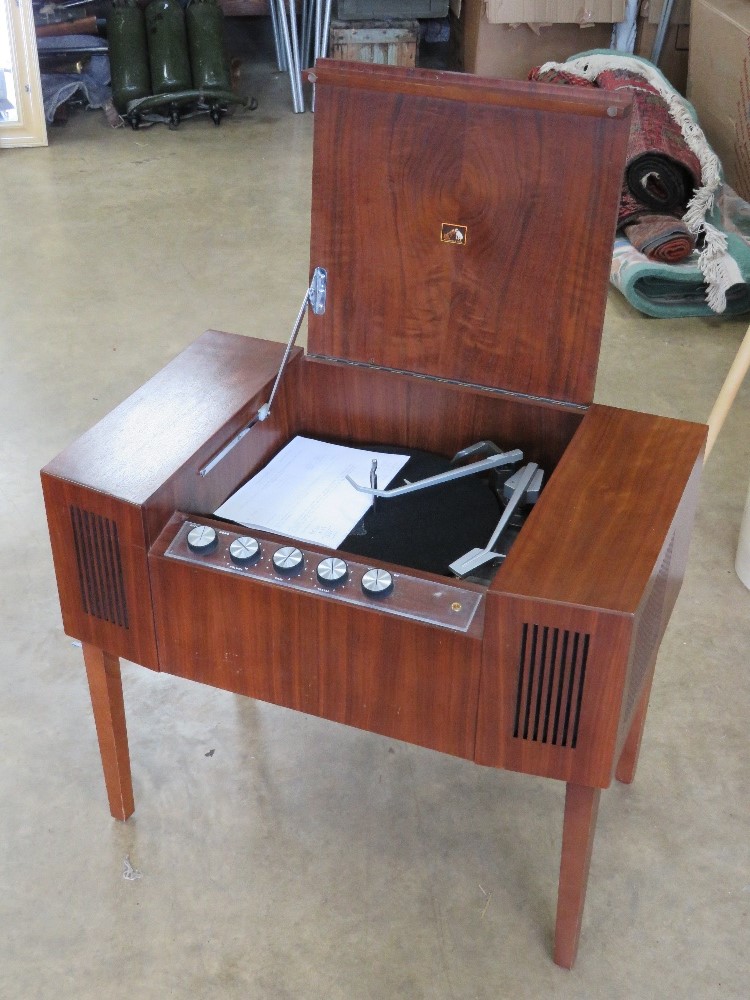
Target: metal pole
[326,29]
[295,52]
[318,26]
[305,33]
[296,97]
[277,41]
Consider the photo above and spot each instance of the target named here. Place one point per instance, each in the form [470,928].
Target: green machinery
[169,63]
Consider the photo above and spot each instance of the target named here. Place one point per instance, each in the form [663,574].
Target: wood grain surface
[530,175]
[355,665]
[105,686]
[181,415]
[361,405]
[595,535]
[579,827]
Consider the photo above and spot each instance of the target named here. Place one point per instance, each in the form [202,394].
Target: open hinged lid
[466,225]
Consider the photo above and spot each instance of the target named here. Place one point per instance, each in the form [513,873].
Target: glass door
[21,108]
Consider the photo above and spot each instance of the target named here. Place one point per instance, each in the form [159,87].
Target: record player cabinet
[465,226]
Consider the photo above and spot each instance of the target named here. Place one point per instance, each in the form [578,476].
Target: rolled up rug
[716,256]
[661,171]
[662,238]
[660,182]
[559,76]
[659,289]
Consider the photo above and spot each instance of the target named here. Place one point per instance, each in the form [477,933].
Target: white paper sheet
[303,494]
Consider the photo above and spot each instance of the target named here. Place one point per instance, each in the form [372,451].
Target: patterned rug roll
[662,238]
[661,172]
[719,274]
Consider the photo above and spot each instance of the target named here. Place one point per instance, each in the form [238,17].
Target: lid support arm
[315,297]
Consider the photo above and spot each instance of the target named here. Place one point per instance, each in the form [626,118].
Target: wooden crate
[389,43]
[370,10]
[245,8]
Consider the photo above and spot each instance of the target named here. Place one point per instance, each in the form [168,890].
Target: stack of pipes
[293,44]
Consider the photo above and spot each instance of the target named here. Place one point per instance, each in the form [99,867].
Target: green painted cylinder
[208,60]
[128,53]
[167,47]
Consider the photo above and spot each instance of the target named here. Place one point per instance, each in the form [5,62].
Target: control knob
[377,583]
[202,539]
[288,560]
[244,551]
[332,572]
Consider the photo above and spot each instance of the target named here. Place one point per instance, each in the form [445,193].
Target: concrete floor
[283,856]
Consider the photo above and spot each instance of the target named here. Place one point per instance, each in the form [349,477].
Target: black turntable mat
[429,529]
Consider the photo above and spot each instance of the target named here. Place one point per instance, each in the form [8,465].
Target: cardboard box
[512,49]
[719,83]
[673,61]
[381,10]
[555,11]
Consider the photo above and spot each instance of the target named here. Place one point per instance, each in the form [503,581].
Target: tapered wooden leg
[581,807]
[105,684]
[628,761]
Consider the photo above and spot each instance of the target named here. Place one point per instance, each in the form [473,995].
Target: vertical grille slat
[550,685]
[99,591]
[540,684]
[551,679]
[524,637]
[571,682]
[105,595]
[122,611]
[560,685]
[99,565]
[581,682]
[530,682]
[83,559]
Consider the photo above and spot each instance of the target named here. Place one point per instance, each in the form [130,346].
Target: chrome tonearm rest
[523,486]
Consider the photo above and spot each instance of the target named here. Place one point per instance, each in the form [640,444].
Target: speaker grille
[551,677]
[99,567]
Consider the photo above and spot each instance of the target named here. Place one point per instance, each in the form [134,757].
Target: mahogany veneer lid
[466,225]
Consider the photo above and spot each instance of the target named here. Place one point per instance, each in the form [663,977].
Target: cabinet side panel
[99,552]
[658,602]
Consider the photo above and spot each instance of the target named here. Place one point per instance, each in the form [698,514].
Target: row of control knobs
[288,560]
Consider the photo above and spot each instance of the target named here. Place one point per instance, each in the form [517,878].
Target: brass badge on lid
[451,233]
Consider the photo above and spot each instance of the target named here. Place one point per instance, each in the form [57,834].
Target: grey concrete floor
[283,856]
